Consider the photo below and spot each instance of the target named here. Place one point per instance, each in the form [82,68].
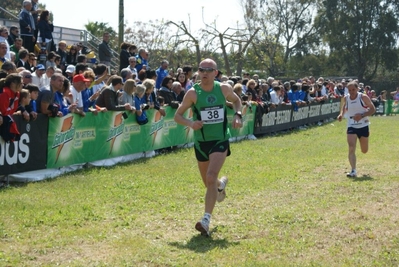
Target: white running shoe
[222,191]
[351,174]
[203,226]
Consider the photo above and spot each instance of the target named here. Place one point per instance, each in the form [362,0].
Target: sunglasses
[28,76]
[207,70]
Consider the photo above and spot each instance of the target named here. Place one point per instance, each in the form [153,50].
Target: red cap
[80,78]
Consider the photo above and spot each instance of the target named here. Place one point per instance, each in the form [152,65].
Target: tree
[362,34]
[285,24]
[13,7]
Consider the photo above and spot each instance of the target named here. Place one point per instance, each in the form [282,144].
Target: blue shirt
[86,94]
[140,62]
[137,104]
[161,74]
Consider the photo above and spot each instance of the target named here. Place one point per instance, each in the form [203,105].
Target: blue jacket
[25,21]
[161,74]
[46,30]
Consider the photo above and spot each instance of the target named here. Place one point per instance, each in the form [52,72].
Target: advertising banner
[29,153]
[73,139]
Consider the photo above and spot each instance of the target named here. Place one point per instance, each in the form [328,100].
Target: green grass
[288,203]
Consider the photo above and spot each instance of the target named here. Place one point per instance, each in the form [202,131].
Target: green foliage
[363,32]
[288,203]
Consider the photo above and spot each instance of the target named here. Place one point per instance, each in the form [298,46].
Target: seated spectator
[72,56]
[26,77]
[32,60]
[50,62]
[82,58]
[9,67]
[13,34]
[70,71]
[126,74]
[32,107]
[9,102]
[23,59]
[16,47]
[3,39]
[80,68]
[3,52]
[109,96]
[127,95]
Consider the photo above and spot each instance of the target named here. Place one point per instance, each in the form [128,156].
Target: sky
[76,13]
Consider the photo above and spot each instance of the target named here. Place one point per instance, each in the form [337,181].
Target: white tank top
[354,107]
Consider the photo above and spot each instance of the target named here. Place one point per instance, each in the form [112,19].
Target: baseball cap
[70,69]
[80,78]
[40,67]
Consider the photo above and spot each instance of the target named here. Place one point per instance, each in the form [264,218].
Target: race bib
[212,115]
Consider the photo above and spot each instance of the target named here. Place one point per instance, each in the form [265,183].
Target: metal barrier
[70,36]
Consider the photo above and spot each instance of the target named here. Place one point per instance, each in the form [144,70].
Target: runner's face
[352,90]
[207,71]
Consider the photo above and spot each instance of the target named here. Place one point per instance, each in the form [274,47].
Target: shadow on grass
[202,244]
[364,177]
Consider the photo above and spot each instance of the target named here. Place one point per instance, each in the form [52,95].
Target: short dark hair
[80,67]
[116,80]
[81,58]
[32,87]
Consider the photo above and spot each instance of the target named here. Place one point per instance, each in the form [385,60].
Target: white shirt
[353,107]
[45,80]
[274,98]
[37,80]
[76,97]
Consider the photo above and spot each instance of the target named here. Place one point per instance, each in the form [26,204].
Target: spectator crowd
[39,76]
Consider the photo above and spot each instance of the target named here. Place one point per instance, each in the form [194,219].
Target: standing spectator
[188,70]
[132,67]
[161,72]
[395,94]
[128,94]
[124,56]
[72,56]
[109,96]
[9,102]
[27,26]
[12,35]
[142,59]
[62,52]
[3,39]
[166,90]
[34,93]
[46,29]
[104,51]
[35,11]
[46,77]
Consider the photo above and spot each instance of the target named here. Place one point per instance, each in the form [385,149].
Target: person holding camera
[207,100]
[141,105]
[47,100]
[109,96]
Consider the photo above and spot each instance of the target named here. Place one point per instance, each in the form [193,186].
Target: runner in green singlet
[211,134]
